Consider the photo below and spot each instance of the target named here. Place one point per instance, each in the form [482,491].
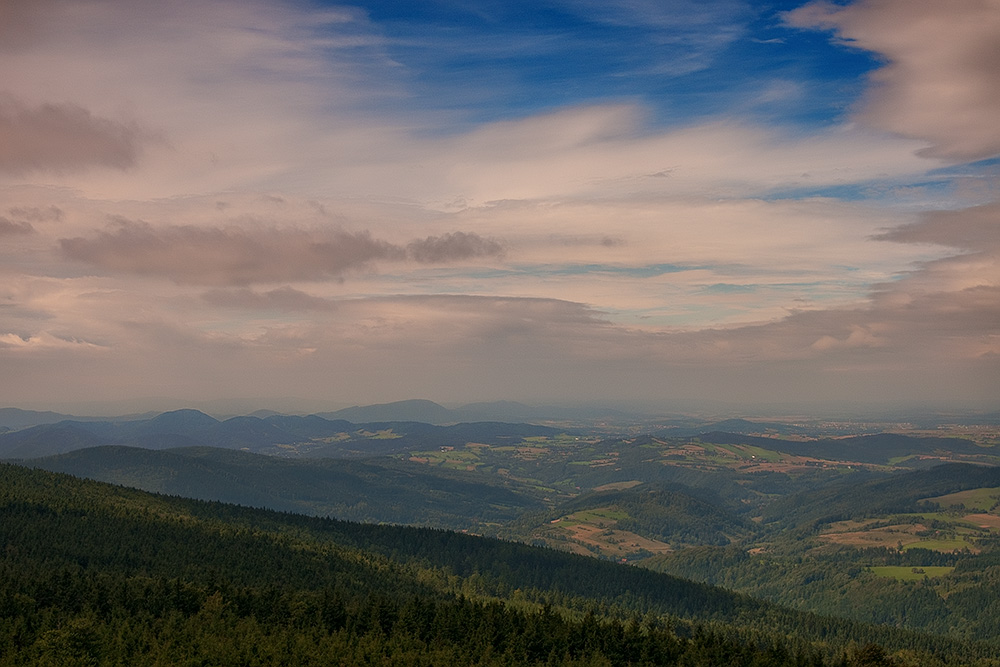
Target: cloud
[21,218]
[957,295]
[248,97]
[224,93]
[975,229]
[940,82]
[858,337]
[453,246]
[48,213]
[941,79]
[595,151]
[42,341]
[284,299]
[228,256]
[60,138]
[249,254]
[21,22]
[609,246]
[694,32]
[9,227]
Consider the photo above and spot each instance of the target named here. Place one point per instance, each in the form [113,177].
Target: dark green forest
[100,575]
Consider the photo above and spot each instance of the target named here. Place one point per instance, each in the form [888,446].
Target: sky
[306,205]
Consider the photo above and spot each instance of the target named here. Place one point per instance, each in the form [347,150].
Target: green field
[973,499]
[384,434]
[938,545]
[598,516]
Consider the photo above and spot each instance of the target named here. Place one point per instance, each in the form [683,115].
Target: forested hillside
[95,574]
[375,490]
[884,537]
[917,549]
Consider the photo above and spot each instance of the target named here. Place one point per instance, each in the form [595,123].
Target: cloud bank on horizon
[552,201]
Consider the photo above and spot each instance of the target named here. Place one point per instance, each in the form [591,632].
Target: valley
[897,529]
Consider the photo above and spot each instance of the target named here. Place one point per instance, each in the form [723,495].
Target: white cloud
[941,81]
[43,340]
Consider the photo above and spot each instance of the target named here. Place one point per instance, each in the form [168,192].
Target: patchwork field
[594,532]
[937,531]
[874,534]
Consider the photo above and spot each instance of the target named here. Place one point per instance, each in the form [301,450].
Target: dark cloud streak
[454,246]
[240,256]
[230,256]
[10,227]
[976,228]
[62,137]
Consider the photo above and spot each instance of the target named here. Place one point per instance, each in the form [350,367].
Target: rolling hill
[899,493]
[184,581]
[284,435]
[374,490]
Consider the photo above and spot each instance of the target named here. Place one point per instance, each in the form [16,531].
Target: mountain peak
[181,422]
[413,410]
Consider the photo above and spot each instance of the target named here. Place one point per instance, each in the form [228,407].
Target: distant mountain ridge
[313,436]
[15,418]
[390,428]
[414,410]
[430,412]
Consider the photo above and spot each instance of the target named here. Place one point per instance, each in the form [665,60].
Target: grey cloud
[588,240]
[21,218]
[35,214]
[285,299]
[9,227]
[240,256]
[452,247]
[230,256]
[971,314]
[974,228]
[62,137]
[21,23]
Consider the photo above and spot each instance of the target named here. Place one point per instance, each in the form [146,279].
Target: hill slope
[374,490]
[285,435]
[103,575]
